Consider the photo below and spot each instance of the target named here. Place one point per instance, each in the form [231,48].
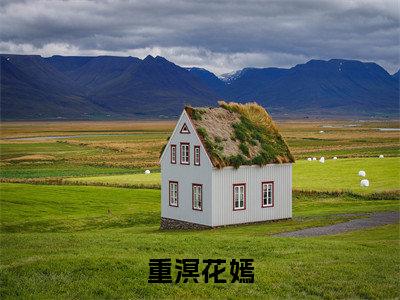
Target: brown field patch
[141,147]
[135,154]
[33,157]
[42,128]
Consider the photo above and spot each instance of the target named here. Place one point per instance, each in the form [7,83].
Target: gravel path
[375,219]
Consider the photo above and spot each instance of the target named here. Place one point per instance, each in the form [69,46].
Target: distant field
[333,175]
[42,128]
[117,153]
[152,180]
[136,145]
[56,170]
[140,150]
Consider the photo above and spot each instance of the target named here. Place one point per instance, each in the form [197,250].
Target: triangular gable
[186,120]
[184,129]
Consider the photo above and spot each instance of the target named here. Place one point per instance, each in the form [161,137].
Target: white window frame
[173,154]
[267,194]
[239,196]
[197,196]
[173,193]
[196,155]
[185,161]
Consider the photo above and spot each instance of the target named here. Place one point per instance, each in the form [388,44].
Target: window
[267,194]
[184,129]
[173,193]
[197,196]
[239,196]
[197,155]
[185,153]
[173,154]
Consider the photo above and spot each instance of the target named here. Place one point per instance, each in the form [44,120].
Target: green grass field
[69,241]
[333,175]
[80,242]
[60,170]
[342,174]
[145,180]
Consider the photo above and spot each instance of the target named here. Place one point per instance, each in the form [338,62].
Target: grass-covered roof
[239,134]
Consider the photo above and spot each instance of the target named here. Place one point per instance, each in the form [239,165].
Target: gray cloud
[219,35]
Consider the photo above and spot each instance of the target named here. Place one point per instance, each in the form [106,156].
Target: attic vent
[184,129]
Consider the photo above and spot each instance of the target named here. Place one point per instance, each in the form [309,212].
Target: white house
[225,165]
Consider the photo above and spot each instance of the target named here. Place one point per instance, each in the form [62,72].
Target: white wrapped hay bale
[147,172]
[322,160]
[364,183]
[309,159]
[321,131]
[362,173]
[314,158]
[334,158]
[381,156]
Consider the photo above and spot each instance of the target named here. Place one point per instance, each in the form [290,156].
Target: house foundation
[167,223]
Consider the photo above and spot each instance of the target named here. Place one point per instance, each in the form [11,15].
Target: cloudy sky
[221,36]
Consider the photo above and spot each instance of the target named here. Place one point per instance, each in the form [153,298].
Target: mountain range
[109,87]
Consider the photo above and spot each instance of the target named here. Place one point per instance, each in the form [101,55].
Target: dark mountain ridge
[31,89]
[59,87]
[332,87]
[396,76]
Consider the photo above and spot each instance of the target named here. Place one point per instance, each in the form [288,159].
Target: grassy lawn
[59,170]
[114,264]
[342,174]
[27,207]
[80,242]
[153,178]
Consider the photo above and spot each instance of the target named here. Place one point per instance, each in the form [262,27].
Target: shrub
[195,113]
[215,149]
[245,150]
[202,132]
[237,160]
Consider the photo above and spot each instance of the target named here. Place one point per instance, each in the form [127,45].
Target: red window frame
[177,193]
[201,199]
[194,155]
[184,129]
[233,196]
[262,194]
[173,158]
[180,153]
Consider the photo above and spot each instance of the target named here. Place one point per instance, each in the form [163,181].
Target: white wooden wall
[186,175]
[223,180]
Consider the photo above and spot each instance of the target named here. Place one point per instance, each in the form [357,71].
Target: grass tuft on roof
[239,134]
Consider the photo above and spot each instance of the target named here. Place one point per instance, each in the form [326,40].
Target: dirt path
[375,219]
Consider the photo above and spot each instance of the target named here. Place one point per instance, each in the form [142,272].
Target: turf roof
[239,134]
